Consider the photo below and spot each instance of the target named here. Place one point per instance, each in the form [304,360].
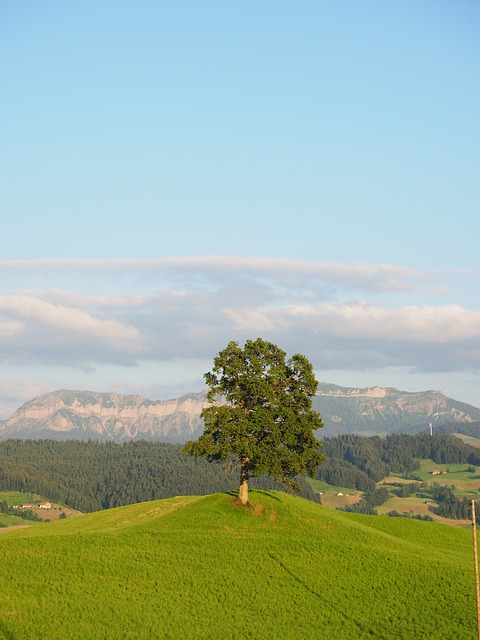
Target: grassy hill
[202,567]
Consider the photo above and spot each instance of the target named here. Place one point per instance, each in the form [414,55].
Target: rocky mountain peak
[67,414]
[88,414]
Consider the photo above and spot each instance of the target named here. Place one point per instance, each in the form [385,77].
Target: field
[13,498]
[204,567]
[474,442]
[19,497]
[335,497]
[457,474]
[465,482]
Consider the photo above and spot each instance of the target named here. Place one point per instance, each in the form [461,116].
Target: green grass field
[13,521]
[16,498]
[474,442]
[203,567]
[19,497]
[465,484]
[449,473]
[13,498]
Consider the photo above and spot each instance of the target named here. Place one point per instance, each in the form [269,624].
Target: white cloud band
[179,308]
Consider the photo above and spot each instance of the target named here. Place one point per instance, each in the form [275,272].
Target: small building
[436,472]
[27,506]
[45,505]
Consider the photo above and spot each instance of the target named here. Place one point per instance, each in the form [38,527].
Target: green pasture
[449,473]
[330,497]
[205,568]
[465,484]
[16,498]
[329,489]
[13,498]
[412,504]
[464,481]
[11,521]
[474,442]
[416,507]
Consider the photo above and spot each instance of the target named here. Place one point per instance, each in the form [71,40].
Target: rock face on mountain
[383,410]
[84,415]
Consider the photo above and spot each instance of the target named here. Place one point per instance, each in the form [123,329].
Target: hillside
[85,415]
[468,429]
[201,567]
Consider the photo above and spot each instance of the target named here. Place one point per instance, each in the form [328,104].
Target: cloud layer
[87,313]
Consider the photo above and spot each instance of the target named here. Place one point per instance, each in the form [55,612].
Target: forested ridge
[93,475]
[471,429]
[90,476]
[359,462]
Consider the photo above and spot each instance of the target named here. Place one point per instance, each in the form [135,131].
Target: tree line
[90,476]
[466,428]
[449,505]
[359,462]
[93,475]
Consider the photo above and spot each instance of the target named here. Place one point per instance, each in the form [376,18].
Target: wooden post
[475,559]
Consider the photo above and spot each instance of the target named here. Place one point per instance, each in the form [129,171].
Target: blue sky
[178,175]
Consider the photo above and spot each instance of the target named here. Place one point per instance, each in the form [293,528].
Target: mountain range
[84,415]
[383,410]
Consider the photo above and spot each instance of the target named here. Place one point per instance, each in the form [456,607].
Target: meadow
[17,498]
[465,482]
[204,567]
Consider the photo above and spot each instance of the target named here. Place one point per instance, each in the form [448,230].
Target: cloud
[88,313]
[438,325]
[9,328]
[37,330]
[65,318]
[18,390]
[363,335]
[257,321]
[201,271]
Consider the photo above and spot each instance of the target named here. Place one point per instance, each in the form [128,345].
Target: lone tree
[260,414]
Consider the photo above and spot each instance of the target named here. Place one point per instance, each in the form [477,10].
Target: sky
[177,175]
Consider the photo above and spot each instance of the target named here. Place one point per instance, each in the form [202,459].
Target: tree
[259,414]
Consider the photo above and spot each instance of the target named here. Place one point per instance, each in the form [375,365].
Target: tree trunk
[244,476]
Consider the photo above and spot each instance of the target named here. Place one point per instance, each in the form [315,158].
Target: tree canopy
[259,414]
